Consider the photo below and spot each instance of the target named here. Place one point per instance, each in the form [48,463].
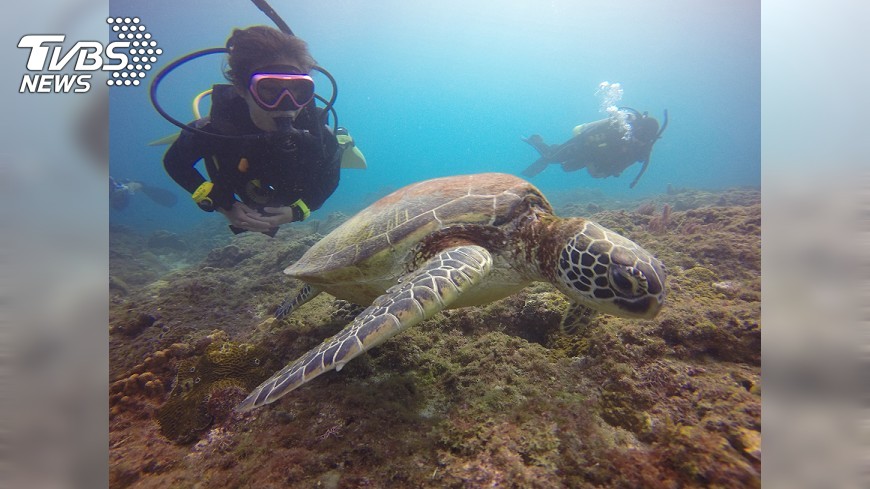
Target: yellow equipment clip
[201,192]
[302,207]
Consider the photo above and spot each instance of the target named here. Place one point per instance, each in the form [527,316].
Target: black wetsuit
[262,172]
[601,147]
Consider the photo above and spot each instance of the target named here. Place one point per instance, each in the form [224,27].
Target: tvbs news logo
[128,59]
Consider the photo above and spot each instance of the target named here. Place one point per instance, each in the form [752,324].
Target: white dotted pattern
[143,50]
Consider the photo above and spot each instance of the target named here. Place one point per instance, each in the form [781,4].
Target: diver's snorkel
[651,143]
[640,116]
[664,125]
[273,16]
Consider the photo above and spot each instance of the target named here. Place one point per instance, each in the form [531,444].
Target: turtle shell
[374,247]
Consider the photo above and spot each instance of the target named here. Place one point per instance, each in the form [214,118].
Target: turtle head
[610,273]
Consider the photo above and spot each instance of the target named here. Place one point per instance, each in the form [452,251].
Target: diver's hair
[260,46]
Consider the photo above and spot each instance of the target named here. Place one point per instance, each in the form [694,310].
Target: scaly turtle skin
[457,242]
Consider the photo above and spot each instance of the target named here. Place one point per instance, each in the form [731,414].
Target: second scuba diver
[605,147]
[120,192]
[259,183]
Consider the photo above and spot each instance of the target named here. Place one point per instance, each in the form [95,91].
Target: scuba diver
[270,157]
[120,192]
[605,147]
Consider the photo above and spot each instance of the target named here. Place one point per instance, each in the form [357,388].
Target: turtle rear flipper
[422,294]
[291,304]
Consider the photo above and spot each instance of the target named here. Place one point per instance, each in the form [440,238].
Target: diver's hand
[277,216]
[244,217]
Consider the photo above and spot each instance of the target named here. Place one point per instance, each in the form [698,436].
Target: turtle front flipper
[420,295]
[306,294]
[577,318]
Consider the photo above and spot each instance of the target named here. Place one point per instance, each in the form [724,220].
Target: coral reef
[209,386]
[165,239]
[660,223]
[477,397]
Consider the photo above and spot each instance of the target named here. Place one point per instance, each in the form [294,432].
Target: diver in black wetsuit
[605,148]
[120,192]
[259,183]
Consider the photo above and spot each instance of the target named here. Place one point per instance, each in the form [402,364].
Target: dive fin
[536,167]
[165,140]
[537,142]
[351,156]
[159,195]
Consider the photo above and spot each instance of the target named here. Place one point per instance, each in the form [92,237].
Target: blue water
[430,89]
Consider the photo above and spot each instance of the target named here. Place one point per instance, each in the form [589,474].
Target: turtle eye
[628,281]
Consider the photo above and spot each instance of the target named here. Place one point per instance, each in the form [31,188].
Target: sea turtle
[455,242]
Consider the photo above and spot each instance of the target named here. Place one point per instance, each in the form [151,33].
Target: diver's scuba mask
[281,91]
